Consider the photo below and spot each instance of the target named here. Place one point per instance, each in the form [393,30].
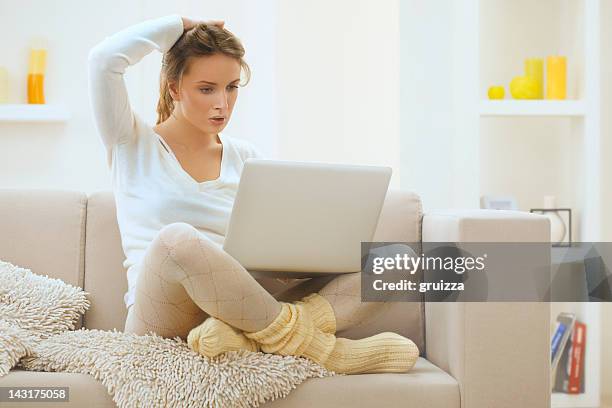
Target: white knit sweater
[151,188]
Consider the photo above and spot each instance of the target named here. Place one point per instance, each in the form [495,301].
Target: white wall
[426,120]
[338,73]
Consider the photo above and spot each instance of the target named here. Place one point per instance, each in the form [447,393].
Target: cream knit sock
[321,312]
[214,337]
[293,333]
[382,353]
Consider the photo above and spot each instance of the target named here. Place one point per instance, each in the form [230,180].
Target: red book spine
[577,358]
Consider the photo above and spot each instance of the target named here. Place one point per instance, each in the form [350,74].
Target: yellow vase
[556,77]
[524,87]
[534,68]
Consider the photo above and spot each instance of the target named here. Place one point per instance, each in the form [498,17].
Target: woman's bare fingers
[218,23]
[188,23]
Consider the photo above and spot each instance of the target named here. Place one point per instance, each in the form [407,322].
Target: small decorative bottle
[36,75]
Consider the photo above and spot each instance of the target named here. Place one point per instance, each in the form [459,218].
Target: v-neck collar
[177,164]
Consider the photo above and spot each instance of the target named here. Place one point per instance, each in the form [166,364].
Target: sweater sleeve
[107,62]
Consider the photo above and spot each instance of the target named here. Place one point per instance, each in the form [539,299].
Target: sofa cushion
[84,390]
[400,218]
[400,221]
[44,231]
[106,278]
[425,386]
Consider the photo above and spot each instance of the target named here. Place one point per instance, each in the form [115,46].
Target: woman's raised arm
[108,61]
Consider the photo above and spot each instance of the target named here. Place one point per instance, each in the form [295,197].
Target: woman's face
[208,91]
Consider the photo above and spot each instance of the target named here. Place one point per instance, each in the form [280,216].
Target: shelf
[532,108]
[33,113]
[562,400]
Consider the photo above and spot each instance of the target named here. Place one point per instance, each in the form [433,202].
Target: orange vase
[36,88]
[36,76]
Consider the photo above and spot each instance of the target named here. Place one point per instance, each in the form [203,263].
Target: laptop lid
[304,218]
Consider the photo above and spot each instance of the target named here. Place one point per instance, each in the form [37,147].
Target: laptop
[304,219]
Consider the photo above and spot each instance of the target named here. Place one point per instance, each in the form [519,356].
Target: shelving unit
[481,62]
[33,113]
[512,145]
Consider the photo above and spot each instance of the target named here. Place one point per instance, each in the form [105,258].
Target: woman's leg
[184,277]
[343,292]
[382,352]
[305,328]
[181,260]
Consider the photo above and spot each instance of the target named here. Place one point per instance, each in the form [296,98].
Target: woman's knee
[166,249]
[176,239]
[184,244]
[176,232]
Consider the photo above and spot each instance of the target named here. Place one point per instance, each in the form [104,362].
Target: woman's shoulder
[142,131]
[245,148]
[139,143]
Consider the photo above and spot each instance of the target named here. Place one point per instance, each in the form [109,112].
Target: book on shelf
[556,340]
[568,348]
[576,385]
[565,324]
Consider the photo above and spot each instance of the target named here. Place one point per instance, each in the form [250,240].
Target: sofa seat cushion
[425,386]
[84,390]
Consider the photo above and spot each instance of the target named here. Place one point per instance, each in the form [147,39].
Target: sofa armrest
[499,352]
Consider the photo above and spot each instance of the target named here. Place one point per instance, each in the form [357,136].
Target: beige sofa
[473,354]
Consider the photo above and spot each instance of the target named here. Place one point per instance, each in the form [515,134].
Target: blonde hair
[201,40]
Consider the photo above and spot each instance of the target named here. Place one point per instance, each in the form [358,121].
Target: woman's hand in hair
[188,23]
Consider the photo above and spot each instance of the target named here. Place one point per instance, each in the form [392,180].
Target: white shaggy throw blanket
[39,315]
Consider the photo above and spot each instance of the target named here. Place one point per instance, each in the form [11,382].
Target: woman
[174,186]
